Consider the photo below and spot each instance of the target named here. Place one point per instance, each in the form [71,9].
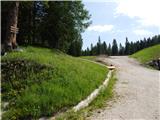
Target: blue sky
[119,19]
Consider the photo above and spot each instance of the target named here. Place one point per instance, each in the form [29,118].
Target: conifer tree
[114,47]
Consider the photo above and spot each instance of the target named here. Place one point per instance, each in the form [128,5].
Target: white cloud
[100,28]
[142,32]
[146,11]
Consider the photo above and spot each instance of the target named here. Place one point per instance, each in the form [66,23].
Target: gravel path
[138,89]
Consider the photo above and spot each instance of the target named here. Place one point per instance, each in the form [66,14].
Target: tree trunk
[34,23]
[12,21]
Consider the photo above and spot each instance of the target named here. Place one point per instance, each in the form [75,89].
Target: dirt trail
[138,89]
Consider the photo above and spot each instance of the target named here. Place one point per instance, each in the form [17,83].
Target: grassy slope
[97,103]
[147,54]
[88,57]
[70,80]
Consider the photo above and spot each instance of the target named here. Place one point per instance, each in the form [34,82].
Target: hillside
[147,54]
[41,82]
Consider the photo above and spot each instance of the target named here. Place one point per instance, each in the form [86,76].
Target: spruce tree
[99,46]
[121,49]
[104,48]
[127,47]
[114,47]
[91,51]
[109,50]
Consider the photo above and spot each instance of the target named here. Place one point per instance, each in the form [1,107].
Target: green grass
[42,82]
[99,102]
[88,57]
[147,54]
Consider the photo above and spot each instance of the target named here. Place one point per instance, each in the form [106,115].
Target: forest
[49,24]
[115,49]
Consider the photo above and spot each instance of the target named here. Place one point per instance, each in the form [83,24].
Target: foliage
[53,24]
[66,80]
[128,49]
[99,48]
[121,49]
[75,47]
[114,47]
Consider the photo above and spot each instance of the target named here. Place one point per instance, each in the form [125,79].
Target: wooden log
[111,67]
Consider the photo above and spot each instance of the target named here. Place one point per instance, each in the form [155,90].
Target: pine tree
[114,47]
[88,52]
[99,46]
[121,49]
[75,47]
[91,51]
[132,48]
[104,48]
[127,47]
[109,50]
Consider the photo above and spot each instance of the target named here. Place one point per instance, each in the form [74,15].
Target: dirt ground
[137,92]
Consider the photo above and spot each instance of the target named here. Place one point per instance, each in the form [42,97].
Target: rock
[155,63]
[99,111]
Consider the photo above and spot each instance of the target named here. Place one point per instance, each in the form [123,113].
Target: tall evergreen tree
[132,48]
[109,50]
[114,47]
[127,47]
[55,24]
[91,52]
[31,16]
[148,42]
[75,47]
[99,46]
[104,48]
[121,49]
[88,52]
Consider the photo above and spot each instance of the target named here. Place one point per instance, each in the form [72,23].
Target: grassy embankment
[100,102]
[147,54]
[89,57]
[41,82]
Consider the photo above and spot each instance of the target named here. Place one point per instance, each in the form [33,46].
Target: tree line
[53,24]
[115,49]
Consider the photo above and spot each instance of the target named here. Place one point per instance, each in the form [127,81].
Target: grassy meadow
[41,82]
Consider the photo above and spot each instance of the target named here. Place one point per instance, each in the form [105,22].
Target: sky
[118,19]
